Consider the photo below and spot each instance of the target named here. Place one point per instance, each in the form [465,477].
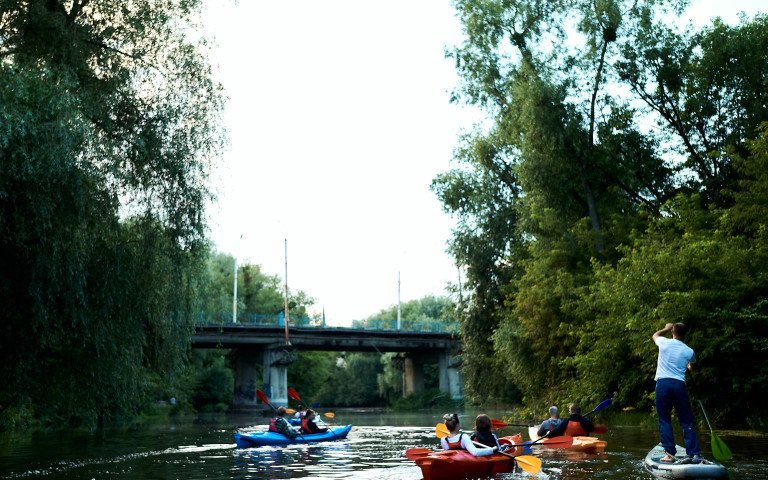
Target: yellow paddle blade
[529,463]
[329,414]
[441,431]
[290,411]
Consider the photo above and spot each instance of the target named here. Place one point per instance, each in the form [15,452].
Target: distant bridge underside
[325,339]
[264,345]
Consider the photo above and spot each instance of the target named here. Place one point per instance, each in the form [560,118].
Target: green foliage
[109,121]
[214,383]
[581,230]
[423,313]
[429,398]
[353,381]
[310,373]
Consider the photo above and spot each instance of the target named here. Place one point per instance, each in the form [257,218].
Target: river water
[203,448]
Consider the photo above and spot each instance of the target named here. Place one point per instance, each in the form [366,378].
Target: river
[203,448]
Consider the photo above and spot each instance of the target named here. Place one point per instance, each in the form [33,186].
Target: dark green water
[205,449]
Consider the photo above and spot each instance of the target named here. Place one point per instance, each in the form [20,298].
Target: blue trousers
[672,393]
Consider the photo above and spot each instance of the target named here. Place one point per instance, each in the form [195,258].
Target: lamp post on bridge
[398,301]
[287,341]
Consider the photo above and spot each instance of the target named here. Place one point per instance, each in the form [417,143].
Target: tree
[109,124]
[567,192]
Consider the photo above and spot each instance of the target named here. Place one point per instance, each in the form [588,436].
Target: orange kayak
[580,444]
[448,464]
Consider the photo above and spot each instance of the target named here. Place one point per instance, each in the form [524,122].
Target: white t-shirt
[674,357]
[466,444]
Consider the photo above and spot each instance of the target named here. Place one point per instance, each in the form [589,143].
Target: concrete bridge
[265,345]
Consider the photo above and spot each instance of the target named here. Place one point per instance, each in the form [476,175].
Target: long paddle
[497,424]
[601,406]
[295,395]
[528,463]
[719,449]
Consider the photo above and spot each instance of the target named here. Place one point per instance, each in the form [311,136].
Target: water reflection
[374,449]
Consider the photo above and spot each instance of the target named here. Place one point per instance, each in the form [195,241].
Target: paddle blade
[441,431]
[414,453]
[329,414]
[529,463]
[290,411]
[602,405]
[262,397]
[719,449]
[496,424]
[294,394]
[558,442]
[600,429]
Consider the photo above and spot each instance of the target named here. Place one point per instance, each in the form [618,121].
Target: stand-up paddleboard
[659,469]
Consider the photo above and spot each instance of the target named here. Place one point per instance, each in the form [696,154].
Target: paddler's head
[451,421]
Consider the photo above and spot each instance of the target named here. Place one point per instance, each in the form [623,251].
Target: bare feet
[668,459]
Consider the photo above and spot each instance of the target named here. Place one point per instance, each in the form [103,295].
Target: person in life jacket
[280,425]
[300,412]
[483,433]
[461,441]
[578,425]
[550,425]
[308,424]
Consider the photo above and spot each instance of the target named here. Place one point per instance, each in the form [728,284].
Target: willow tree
[108,128]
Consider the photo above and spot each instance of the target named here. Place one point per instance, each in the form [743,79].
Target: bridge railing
[277,320]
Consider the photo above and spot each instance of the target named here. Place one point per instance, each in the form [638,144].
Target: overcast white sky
[338,121]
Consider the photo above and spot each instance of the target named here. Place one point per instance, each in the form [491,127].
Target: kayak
[706,469]
[261,439]
[447,464]
[580,443]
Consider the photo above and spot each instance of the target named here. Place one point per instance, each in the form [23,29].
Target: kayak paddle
[528,463]
[263,397]
[719,449]
[295,395]
[496,424]
[602,405]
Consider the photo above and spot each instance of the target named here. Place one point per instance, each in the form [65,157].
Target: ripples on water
[370,452]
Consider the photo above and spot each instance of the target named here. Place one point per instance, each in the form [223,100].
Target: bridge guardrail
[276,320]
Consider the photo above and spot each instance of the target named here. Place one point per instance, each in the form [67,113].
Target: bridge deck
[328,339]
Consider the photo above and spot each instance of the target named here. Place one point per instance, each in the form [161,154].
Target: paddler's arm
[663,332]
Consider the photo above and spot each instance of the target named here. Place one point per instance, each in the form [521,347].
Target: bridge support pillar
[449,367]
[413,374]
[275,373]
[246,370]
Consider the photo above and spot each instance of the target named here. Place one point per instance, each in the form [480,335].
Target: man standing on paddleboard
[675,357]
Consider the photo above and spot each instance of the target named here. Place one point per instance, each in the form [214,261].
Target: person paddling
[552,423]
[300,412]
[483,433]
[308,424]
[675,358]
[280,425]
[461,441]
[577,425]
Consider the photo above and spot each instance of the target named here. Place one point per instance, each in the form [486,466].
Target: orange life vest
[455,445]
[305,425]
[574,429]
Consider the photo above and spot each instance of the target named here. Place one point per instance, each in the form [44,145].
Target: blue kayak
[261,439]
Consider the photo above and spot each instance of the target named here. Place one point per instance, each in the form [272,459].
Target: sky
[338,120]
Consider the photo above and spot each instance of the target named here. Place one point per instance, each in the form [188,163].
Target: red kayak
[447,464]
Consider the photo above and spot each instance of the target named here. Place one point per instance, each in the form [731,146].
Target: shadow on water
[375,449]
